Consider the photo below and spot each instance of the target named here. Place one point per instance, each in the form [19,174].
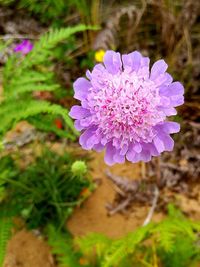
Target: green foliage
[62,247]
[46,191]
[7,168]
[175,237]
[55,10]
[6,2]
[185,253]
[45,10]
[22,76]
[5,233]
[144,247]
[94,242]
[82,7]
[49,125]
[119,249]
[48,41]
[48,9]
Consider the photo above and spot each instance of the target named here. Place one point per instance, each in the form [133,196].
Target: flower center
[124,107]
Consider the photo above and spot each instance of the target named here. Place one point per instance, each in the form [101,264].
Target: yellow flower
[99,55]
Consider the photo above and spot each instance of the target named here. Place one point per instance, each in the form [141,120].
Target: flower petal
[132,61]
[171,127]
[168,127]
[109,154]
[78,126]
[83,140]
[123,150]
[158,68]
[174,92]
[174,89]
[168,111]
[78,112]
[112,62]
[163,142]
[81,87]
[137,147]
[151,148]
[177,100]
[98,147]
[163,79]
[145,155]
[118,158]
[144,68]
[168,142]
[130,155]
[159,144]
[92,140]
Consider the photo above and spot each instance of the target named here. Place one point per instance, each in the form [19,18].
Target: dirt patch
[27,250]
[181,188]
[93,215]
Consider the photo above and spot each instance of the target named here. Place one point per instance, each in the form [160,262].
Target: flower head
[24,47]
[124,108]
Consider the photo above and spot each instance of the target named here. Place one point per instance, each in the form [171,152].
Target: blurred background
[52,193]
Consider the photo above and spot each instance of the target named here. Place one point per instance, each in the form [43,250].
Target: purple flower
[24,47]
[124,108]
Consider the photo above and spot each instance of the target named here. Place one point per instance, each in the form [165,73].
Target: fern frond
[49,41]
[166,231]
[121,248]
[46,123]
[113,253]
[96,241]
[61,247]
[25,88]
[24,75]
[5,234]
[165,235]
[11,114]
[32,76]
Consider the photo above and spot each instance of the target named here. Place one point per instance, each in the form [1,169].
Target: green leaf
[5,234]
[62,248]
[11,114]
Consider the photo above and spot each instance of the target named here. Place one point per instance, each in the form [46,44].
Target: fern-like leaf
[61,247]
[49,41]
[121,248]
[96,241]
[24,75]
[166,232]
[46,123]
[11,114]
[5,234]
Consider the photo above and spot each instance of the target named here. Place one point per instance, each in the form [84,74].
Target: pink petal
[81,87]
[158,68]
[112,61]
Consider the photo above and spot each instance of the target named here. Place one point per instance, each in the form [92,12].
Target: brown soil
[93,217]
[27,250]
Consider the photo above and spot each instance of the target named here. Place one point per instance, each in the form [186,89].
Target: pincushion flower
[24,47]
[124,108]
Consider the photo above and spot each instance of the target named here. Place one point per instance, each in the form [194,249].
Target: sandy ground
[92,216]
[27,250]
